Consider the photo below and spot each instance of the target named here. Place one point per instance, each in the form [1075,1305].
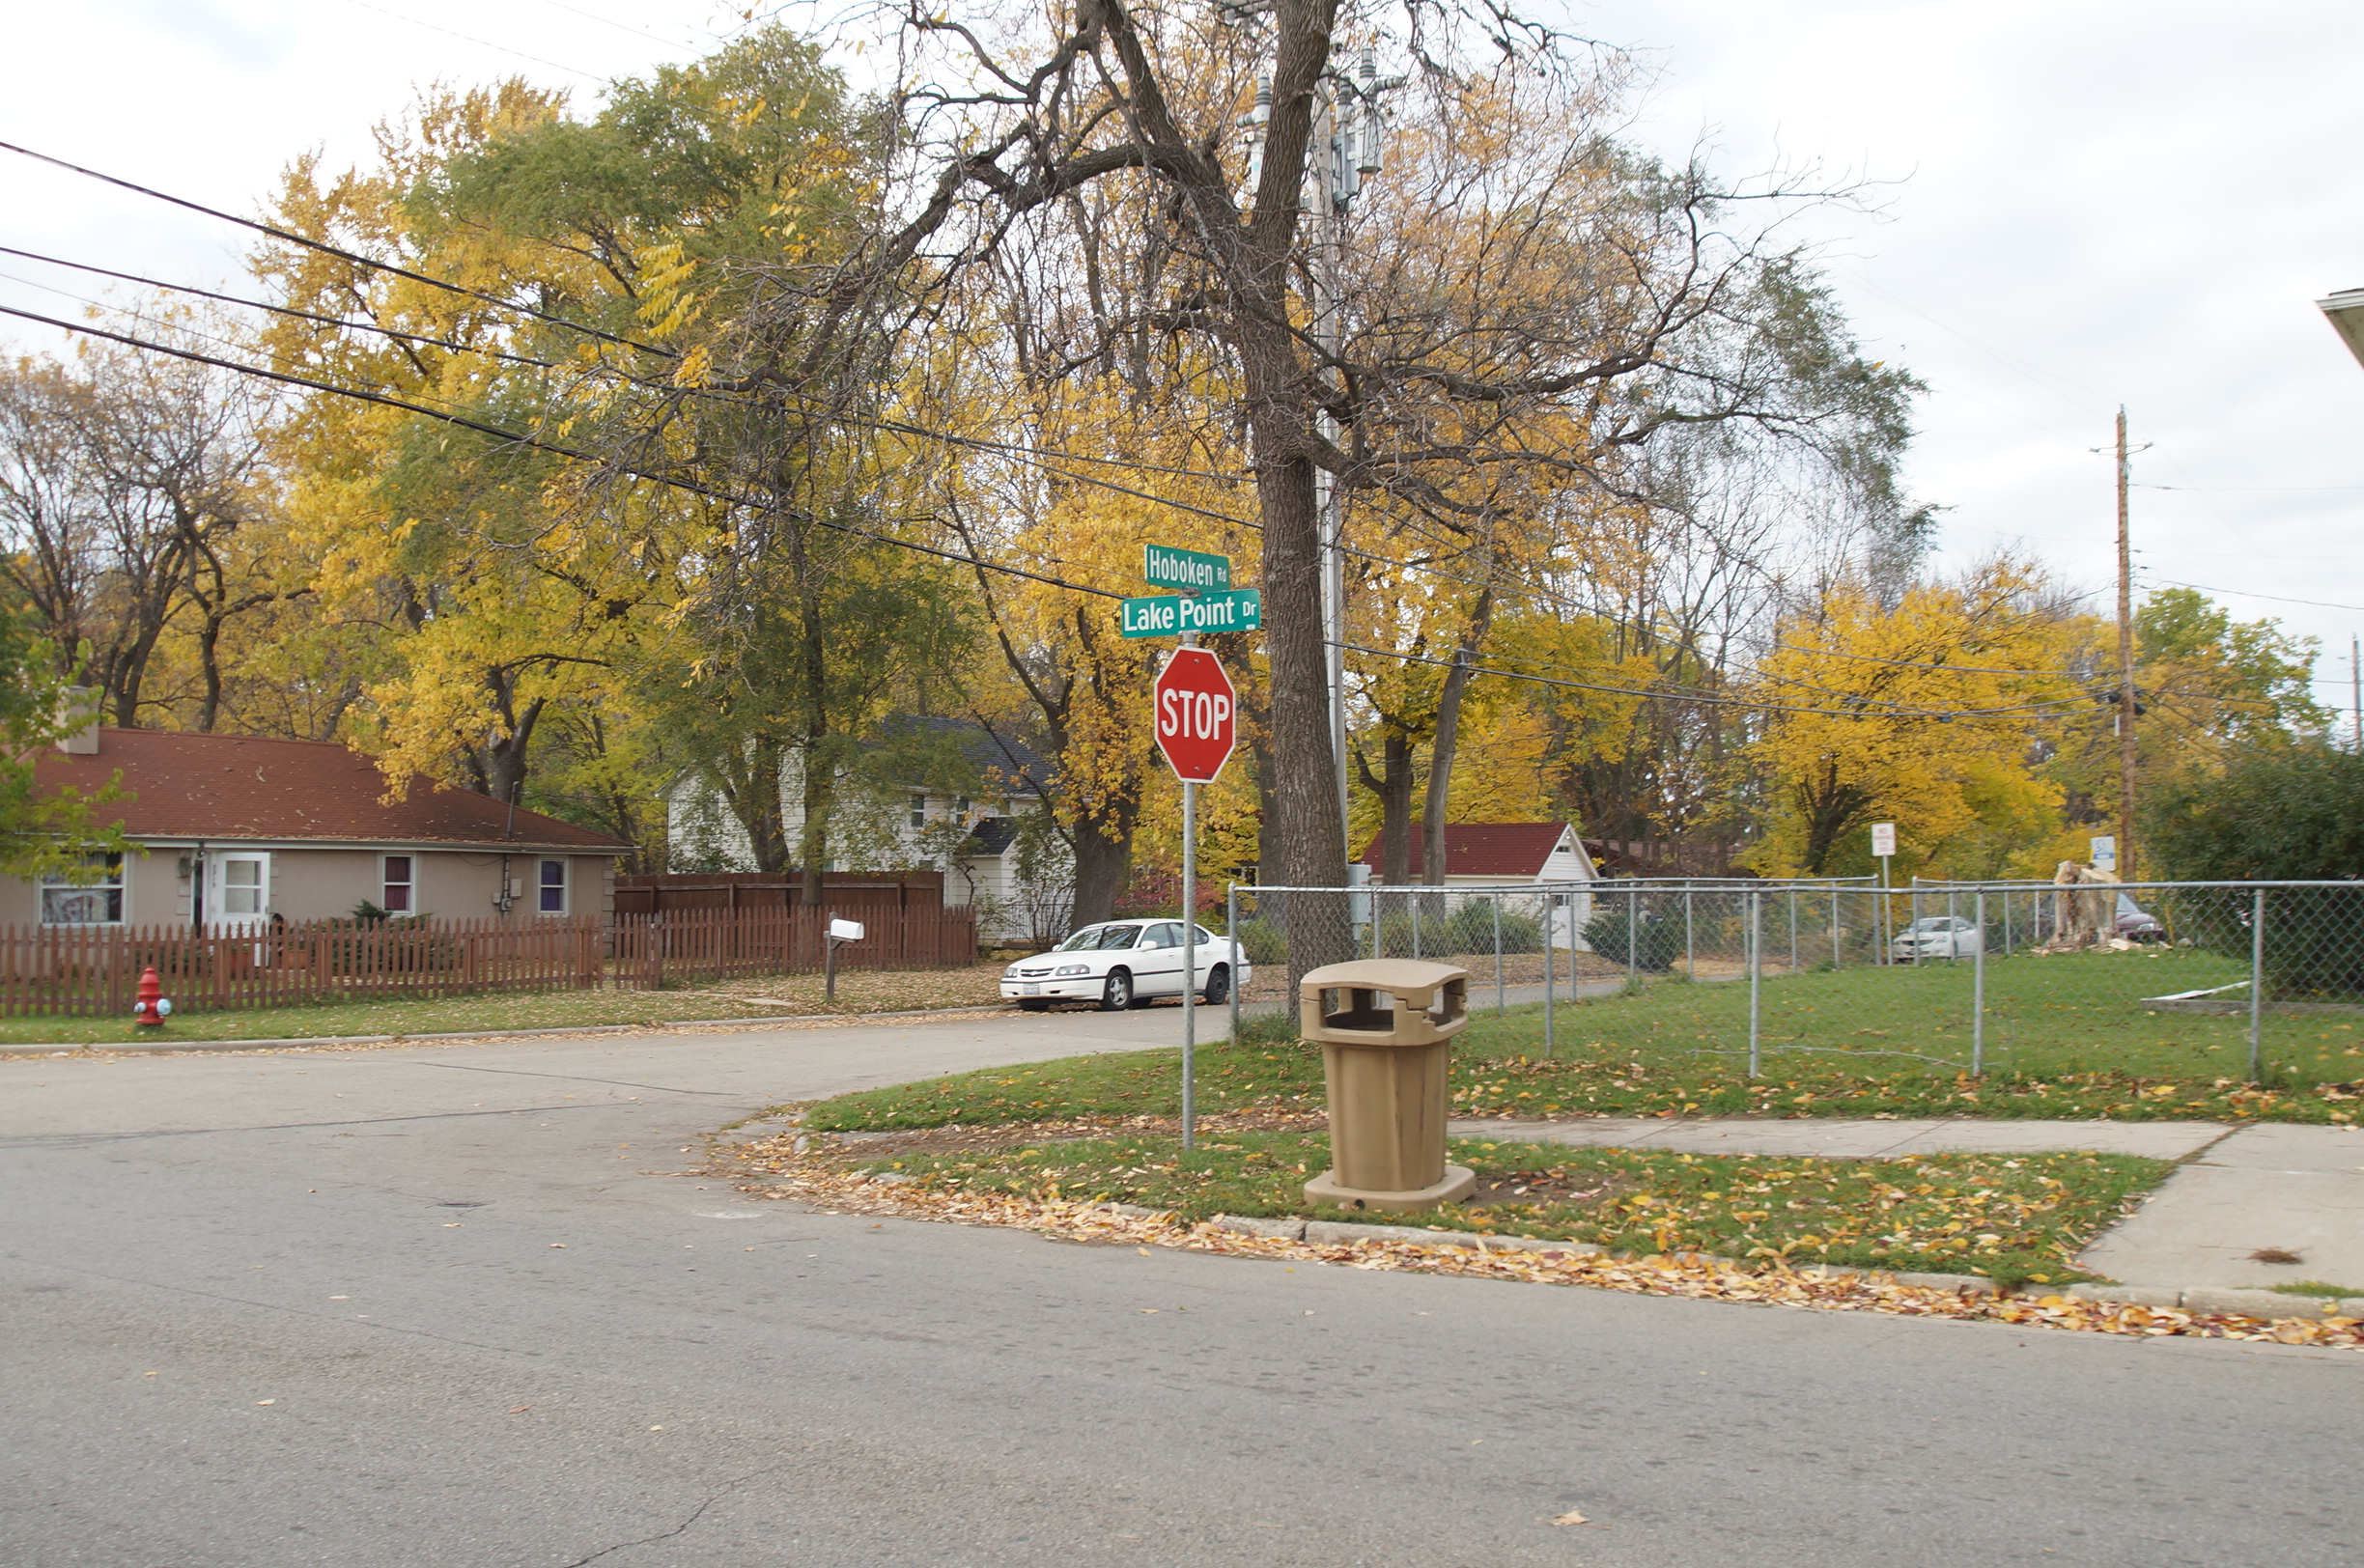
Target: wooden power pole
[2125,669]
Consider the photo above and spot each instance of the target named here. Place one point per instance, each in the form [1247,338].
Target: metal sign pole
[1190,951]
[1231,959]
[1190,961]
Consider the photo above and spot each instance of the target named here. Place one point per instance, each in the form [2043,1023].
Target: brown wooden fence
[718,945]
[83,971]
[86,969]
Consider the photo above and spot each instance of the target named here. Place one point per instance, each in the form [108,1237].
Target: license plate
[1029,990]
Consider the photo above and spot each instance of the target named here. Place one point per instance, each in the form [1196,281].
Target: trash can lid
[1404,977]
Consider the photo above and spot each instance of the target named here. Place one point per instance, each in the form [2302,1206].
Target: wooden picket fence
[723,944]
[85,971]
[79,971]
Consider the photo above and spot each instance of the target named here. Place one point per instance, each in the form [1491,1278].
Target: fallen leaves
[808,1179]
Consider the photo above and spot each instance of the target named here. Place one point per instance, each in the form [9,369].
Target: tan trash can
[1386,1067]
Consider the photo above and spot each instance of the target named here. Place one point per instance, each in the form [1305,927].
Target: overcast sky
[2083,205]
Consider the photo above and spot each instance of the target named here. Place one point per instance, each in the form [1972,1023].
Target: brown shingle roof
[1486,849]
[244,786]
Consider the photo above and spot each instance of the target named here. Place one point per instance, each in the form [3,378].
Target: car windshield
[1934,923]
[1099,936]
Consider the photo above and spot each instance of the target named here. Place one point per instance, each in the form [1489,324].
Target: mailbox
[1385,1028]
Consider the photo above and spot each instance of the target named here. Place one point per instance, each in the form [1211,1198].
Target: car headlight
[1010,973]
[1073,969]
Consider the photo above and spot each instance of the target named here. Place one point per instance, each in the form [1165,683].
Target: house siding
[309,882]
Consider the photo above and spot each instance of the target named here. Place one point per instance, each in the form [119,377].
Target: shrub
[1647,943]
[2291,813]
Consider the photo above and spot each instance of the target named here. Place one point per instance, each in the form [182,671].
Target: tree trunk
[1448,743]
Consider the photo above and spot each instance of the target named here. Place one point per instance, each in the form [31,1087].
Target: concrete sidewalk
[2236,1190]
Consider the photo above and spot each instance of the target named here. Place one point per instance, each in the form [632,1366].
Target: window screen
[400,884]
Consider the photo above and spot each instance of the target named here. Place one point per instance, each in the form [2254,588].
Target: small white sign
[1883,839]
[846,931]
[2104,852]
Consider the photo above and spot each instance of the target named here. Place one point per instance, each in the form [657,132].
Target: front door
[238,890]
[1157,968]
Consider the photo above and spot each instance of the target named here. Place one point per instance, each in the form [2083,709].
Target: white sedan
[1937,936]
[1122,964]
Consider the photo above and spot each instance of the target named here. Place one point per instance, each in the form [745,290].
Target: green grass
[2070,1037]
[2316,1288]
[447,1016]
[2014,1219]
[2075,1013]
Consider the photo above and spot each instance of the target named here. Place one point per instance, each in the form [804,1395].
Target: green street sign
[1191,570]
[1167,615]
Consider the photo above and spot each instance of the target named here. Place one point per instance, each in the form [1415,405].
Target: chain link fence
[2240,980]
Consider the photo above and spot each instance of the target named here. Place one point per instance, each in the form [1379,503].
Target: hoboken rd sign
[1192,572]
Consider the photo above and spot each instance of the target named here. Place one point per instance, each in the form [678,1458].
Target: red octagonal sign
[1198,711]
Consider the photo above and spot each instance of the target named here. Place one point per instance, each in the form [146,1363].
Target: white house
[1019,879]
[1506,854]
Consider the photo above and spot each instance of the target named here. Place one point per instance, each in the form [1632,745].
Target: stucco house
[233,830]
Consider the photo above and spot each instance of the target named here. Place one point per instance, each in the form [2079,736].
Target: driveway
[457,1307]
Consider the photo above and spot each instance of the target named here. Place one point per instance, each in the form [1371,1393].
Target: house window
[961,808]
[98,900]
[401,884]
[919,811]
[550,898]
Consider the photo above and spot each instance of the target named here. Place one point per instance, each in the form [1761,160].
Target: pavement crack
[576,1078]
[79,1140]
[695,1513]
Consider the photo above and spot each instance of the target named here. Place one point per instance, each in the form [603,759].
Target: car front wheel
[1118,994]
[1218,986]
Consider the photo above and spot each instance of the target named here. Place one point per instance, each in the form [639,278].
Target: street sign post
[1165,615]
[1195,709]
[1883,844]
[1191,570]
[2103,852]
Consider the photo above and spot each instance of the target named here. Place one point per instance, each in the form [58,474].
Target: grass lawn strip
[790,1165]
[2014,1219]
[1498,1072]
[769,996]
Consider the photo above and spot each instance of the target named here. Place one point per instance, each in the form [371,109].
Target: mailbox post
[840,931]
[1386,1067]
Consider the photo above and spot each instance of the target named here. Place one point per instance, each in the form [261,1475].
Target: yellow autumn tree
[1928,712]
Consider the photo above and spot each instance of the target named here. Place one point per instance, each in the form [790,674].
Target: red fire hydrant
[148,1015]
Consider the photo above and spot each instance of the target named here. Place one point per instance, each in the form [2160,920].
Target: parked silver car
[1937,936]
[2135,924]
[1122,964]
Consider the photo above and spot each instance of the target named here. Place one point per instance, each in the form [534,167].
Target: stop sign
[1197,710]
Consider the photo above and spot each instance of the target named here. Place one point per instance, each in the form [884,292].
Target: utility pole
[2125,669]
[1349,129]
[2356,677]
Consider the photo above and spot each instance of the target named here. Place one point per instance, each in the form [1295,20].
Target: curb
[2209,1300]
[2247,1304]
[164,1047]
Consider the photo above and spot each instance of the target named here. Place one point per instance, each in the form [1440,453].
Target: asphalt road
[451,1308]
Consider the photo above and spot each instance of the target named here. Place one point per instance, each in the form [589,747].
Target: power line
[327,250]
[2244,593]
[256,304]
[1894,712]
[482,44]
[385,399]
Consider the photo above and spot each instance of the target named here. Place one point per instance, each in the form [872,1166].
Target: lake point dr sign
[1235,609]
[1198,715]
